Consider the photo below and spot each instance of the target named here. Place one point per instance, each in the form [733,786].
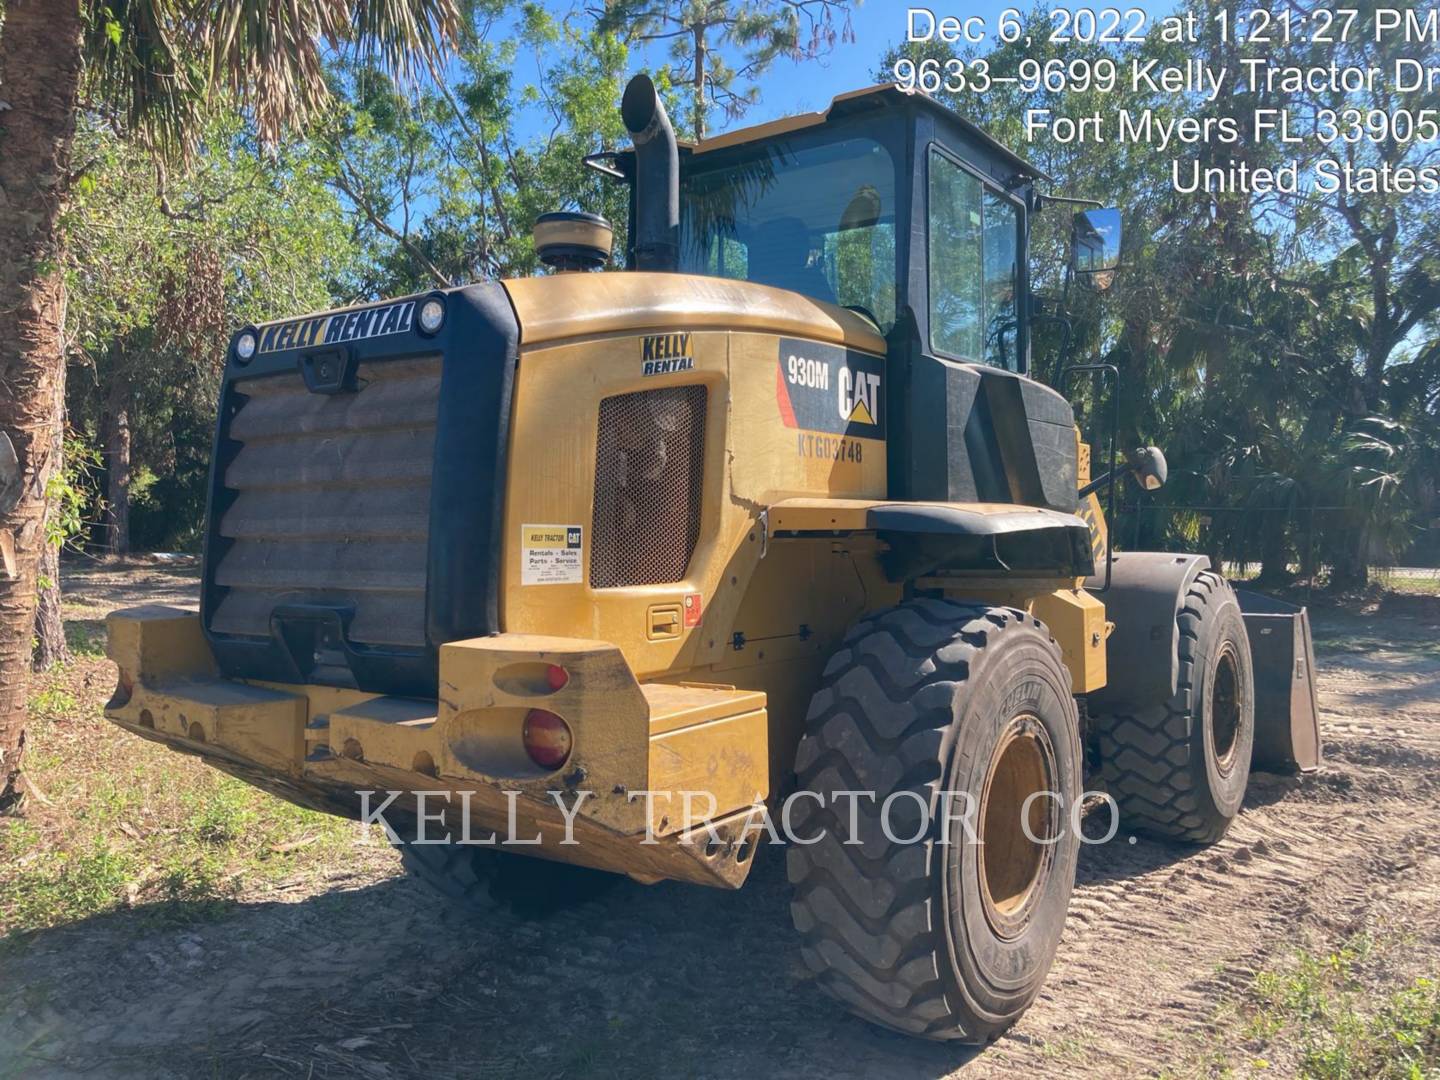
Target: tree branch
[355,194]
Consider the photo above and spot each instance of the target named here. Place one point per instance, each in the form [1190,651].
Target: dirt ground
[359,972]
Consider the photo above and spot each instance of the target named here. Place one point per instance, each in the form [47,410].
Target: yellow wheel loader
[770,534]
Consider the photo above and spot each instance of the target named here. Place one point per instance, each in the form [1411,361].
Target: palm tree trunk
[1274,552]
[50,645]
[39,83]
[117,453]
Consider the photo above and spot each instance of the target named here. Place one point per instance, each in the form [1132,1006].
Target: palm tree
[153,68]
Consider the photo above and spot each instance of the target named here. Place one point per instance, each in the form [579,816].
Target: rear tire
[1178,769]
[941,937]
[482,878]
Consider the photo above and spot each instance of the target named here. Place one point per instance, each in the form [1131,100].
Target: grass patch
[52,703]
[67,886]
[1413,586]
[1325,1013]
[85,637]
[115,822]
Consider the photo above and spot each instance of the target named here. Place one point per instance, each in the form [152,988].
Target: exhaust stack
[656,242]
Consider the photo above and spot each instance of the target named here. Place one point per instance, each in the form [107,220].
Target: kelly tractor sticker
[551,554]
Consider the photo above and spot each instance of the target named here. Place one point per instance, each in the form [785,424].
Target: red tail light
[547,738]
[556,677]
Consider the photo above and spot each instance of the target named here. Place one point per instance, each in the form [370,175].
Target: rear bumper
[655,773]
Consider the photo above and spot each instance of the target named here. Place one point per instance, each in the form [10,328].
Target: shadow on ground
[386,981]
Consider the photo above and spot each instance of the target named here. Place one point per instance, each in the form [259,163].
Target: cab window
[973,267]
[815,218]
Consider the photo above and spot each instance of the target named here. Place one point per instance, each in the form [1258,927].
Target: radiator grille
[649,467]
[332,502]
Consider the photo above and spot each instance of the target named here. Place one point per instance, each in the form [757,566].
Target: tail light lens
[556,677]
[547,738]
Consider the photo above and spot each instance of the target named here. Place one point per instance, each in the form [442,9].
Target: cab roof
[879,96]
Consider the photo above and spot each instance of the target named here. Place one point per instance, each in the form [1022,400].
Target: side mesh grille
[332,502]
[649,467]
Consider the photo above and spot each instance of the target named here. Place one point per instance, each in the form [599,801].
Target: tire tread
[868,916]
[1146,754]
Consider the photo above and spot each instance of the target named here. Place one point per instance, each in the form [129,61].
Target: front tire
[1178,769]
[938,936]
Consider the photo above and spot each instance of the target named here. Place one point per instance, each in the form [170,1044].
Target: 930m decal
[832,390]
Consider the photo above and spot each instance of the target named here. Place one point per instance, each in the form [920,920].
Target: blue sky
[809,85]
[791,87]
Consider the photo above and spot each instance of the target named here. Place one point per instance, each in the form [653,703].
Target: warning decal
[550,555]
[828,389]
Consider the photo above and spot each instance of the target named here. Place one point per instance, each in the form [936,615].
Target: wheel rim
[1011,864]
[1225,709]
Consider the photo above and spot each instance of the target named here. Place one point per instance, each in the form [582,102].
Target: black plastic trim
[1143,591]
[958,521]
[467,488]
[478,344]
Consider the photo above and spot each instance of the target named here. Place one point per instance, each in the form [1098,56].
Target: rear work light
[246,345]
[547,738]
[432,315]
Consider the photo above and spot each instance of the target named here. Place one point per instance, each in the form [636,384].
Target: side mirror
[1095,243]
[1147,464]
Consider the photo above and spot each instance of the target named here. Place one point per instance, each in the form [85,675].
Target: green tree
[701,32]
[443,184]
[154,68]
[157,277]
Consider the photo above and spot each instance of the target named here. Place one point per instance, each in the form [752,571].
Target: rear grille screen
[649,466]
[331,502]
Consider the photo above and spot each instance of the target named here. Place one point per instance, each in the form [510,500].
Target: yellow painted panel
[388,731]
[1075,618]
[774,461]
[570,306]
[724,764]
[679,705]
[1077,621]
[553,445]
[158,642]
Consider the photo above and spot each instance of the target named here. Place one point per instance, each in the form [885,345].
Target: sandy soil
[364,974]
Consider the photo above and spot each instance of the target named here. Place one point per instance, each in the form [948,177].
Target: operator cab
[887,203]
[897,208]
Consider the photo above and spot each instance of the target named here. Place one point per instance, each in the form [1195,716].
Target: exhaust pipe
[656,243]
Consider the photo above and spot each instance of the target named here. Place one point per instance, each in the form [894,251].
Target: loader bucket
[1287,719]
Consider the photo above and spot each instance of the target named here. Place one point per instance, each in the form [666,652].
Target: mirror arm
[1041,199]
[604,164]
[1095,485]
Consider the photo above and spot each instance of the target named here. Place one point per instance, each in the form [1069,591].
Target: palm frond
[270,54]
[157,66]
[141,69]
